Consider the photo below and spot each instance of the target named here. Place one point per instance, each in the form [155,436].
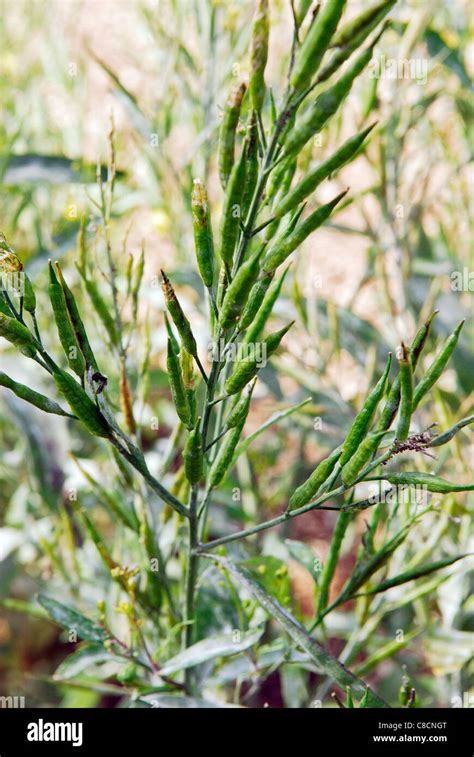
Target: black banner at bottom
[85,732]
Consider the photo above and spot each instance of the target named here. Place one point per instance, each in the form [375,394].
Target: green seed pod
[29,395]
[238,290]
[171,335]
[232,212]
[66,333]
[179,319]
[102,310]
[285,244]
[362,421]
[252,167]
[255,299]
[14,331]
[364,22]
[224,457]
[360,458]
[432,483]
[280,179]
[315,44]
[259,55]
[391,406]
[321,172]
[446,436]
[187,368]
[352,35]
[324,106]
[330,564]
[302,10]
[227,132]
[4,306]
[245,369]
[304,493]
[266,307]
[81,404]
[29,297]
[239,410]
[193,456]
[437,367]
[175,377]
[406,394]
[221,286]
[203,240]
[76,321]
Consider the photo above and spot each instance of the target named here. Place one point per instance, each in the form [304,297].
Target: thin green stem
[191,578]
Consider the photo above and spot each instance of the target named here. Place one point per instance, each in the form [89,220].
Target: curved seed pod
[240,409]
[391,406]
[285,244]
[315,44]
[81,404]
[259,55]
[203,240]
[14,331]
[251,154]
[66,333]
[76,321]
[360,458]
[102,309]
[446,436]
[255,299]
[232,212]
[224,457]
[352,35]
[245,369]
[406,395]
[238,290]
[304,493]
[265,309]
[364,418]
[432,483]
[193,456]
[437,367]
[29,395]
[178,391]
[324,106]
[321,172]
[227,132]
[179,319]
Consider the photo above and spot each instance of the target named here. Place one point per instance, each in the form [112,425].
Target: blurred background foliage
[357,288]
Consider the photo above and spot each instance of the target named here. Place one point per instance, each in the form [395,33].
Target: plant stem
[191,576]
[137,460]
